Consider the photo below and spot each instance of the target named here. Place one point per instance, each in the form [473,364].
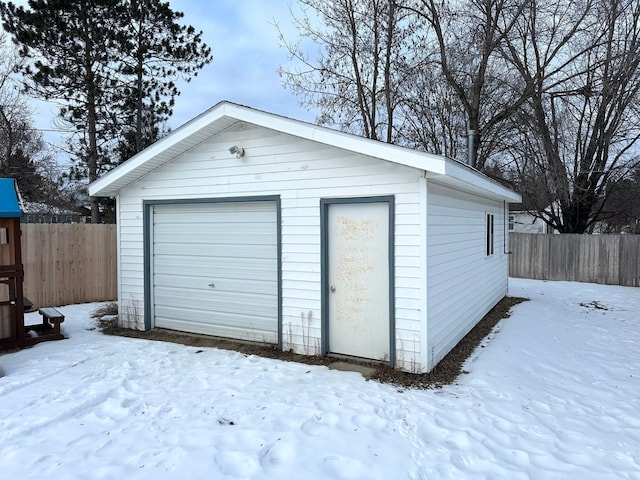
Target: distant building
[521,221]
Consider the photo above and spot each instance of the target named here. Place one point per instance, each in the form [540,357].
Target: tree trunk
[139,81]
[92,120]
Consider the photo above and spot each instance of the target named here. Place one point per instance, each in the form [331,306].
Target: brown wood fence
[607,259]
[69,263]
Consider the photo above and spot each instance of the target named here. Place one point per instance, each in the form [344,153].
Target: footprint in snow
[236,464]
[278,454]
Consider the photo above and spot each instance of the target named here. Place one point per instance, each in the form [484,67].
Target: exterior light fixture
[237,151]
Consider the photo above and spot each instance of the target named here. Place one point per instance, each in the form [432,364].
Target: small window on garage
[489,236]
[512,223]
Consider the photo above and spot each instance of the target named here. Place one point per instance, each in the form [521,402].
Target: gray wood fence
[607,259]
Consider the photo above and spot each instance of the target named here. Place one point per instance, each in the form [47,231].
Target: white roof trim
[223,114]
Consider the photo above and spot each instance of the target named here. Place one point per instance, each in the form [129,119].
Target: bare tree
[580,130]
[549,89]
[22,149]
[360,67]
[432,117]
[13,107]
[468,36]
[414,72]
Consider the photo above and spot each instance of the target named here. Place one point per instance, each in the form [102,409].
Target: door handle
[212,285]
[332,288]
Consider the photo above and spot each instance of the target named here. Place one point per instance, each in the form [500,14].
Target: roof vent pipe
[472,136]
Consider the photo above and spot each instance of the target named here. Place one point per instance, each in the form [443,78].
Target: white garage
[215,268]
[249,225]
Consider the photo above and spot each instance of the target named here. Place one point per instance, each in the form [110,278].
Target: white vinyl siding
[464,283]
[301,172]
[438,297]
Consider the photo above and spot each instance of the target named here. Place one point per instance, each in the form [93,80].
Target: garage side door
[215,269]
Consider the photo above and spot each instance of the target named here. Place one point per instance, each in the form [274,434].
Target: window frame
[489,234]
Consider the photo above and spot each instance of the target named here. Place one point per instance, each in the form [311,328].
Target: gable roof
[10,201]
[226,114]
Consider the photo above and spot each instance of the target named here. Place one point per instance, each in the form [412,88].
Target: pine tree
[72,47]
[112,65]
[156,51]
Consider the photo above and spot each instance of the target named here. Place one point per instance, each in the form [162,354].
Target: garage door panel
[214,318]
[233,222]
[221,326]
[232,212]
[230,245]
[267,272]
[176,263]
[207,251]
[213,232]
[220,239]
[175,285]
[227,305]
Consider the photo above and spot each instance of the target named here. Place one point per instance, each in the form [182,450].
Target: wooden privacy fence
[69,263]
[608,259]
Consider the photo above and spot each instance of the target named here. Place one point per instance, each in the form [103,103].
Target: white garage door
[215,269]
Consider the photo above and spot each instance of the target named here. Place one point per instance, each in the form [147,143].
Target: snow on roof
[226,114]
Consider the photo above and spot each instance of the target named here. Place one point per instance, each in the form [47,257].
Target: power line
[56,130]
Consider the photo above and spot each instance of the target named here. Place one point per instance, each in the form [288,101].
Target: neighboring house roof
[10,200]
[225,115]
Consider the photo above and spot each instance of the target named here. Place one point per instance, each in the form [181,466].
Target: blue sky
[246,56]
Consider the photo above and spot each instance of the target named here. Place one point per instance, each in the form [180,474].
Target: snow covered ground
[553,393]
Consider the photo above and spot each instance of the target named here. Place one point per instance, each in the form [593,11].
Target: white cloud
[246,56]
